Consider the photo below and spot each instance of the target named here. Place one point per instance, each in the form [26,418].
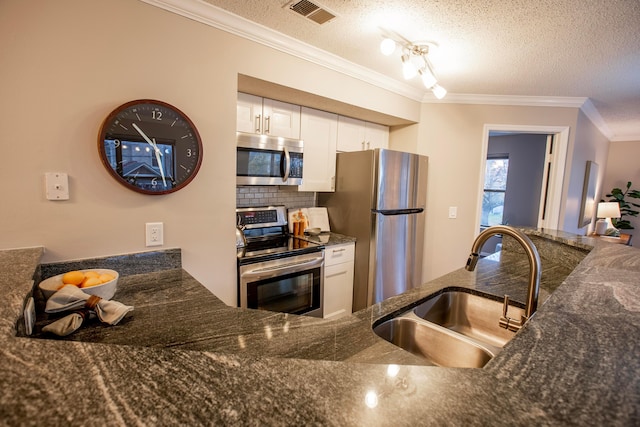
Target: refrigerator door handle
[398,211]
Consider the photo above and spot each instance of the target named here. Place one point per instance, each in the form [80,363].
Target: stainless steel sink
[471,315]
[439,346]
[451,329]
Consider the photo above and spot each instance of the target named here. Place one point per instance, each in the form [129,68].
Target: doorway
[549,194]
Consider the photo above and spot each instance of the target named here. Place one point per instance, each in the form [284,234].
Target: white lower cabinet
[338,280]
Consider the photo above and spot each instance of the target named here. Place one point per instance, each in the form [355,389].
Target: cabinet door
[281,119]
[338,290]
[376,136]
[350,134]
[338,280]
[319,131]
[249,113]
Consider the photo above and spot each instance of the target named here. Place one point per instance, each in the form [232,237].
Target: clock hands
[146,138]
[157,151]
[158,154]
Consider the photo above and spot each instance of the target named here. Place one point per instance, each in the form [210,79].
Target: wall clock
[150,147]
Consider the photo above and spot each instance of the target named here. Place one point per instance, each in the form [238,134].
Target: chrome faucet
[534,272]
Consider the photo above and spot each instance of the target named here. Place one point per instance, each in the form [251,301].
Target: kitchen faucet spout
[534,271]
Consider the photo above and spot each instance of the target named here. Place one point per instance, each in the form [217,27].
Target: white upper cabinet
[267,116]
[357,135]
[376,136]
[319,131]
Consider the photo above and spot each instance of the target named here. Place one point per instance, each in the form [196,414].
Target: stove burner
[267,235]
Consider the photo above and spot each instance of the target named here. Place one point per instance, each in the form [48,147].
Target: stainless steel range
[277,271]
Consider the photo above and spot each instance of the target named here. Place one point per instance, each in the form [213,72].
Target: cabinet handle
[258,119]
[368,145]
[338,250]
[267,124]
[362,145]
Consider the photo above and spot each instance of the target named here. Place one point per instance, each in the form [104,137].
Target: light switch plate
[57,185]
[453,212]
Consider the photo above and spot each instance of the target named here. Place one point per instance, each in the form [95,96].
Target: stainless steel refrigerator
[380,199]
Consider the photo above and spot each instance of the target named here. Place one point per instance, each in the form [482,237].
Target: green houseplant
[626,208]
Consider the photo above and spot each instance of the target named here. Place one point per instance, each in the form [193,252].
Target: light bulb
[428,79]
[409,69]
[439,91]
[387,46]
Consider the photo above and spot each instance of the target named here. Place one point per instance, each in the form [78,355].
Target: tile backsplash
[288,196]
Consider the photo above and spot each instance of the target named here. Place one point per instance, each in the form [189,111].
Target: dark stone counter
[183,357]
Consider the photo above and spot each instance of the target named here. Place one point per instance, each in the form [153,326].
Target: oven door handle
[293,268]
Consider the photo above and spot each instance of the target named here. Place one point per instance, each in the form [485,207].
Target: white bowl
[313,231]
[105,290]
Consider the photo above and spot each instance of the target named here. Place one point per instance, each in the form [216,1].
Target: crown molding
[221,19]
[592,113]
[213,16]
[535,101]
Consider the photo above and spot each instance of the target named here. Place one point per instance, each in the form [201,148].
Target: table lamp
[606,211]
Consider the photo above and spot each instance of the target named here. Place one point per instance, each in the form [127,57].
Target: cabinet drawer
[338,254]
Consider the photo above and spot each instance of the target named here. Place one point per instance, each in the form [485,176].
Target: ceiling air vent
[313,11]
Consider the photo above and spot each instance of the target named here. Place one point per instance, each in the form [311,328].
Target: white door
[319,131]
[376,136]
[249,113]
[281,119]
[350,134]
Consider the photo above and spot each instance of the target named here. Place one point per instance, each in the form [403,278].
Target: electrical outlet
[154,234]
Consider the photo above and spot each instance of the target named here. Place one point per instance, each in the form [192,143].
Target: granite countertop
[575,362]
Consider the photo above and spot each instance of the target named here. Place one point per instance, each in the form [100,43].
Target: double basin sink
[454,328]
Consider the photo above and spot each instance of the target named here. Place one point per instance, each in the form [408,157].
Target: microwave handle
[287,164]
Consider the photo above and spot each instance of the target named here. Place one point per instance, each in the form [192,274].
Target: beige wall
[623,166]
[452,135]
[66,64]
[589,145]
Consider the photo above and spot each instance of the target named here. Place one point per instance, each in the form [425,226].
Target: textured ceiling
[549,48]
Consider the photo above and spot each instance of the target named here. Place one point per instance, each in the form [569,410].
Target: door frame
[555,179]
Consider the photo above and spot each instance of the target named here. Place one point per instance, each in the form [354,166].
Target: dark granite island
[575,363]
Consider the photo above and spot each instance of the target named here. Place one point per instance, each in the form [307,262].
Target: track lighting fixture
[414,60]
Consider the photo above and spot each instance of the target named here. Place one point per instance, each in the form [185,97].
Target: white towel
[72,298]
[68,324]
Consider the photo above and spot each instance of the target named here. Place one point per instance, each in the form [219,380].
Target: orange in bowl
[101,282]
[74,277]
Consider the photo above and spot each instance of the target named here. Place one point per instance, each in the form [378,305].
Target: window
[495,186]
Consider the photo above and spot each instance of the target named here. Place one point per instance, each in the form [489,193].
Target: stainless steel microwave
[268,160]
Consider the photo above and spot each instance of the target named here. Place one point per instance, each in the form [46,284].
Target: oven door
[292,284]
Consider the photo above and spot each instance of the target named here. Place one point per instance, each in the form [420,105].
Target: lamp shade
[608,210]
[439,91]
[428,78]
[409,69]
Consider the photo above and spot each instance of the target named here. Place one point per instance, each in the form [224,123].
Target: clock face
[150,147]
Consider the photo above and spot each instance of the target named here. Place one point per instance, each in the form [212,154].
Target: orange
[104,278]
[91,274]
[91,281]
[73,278]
